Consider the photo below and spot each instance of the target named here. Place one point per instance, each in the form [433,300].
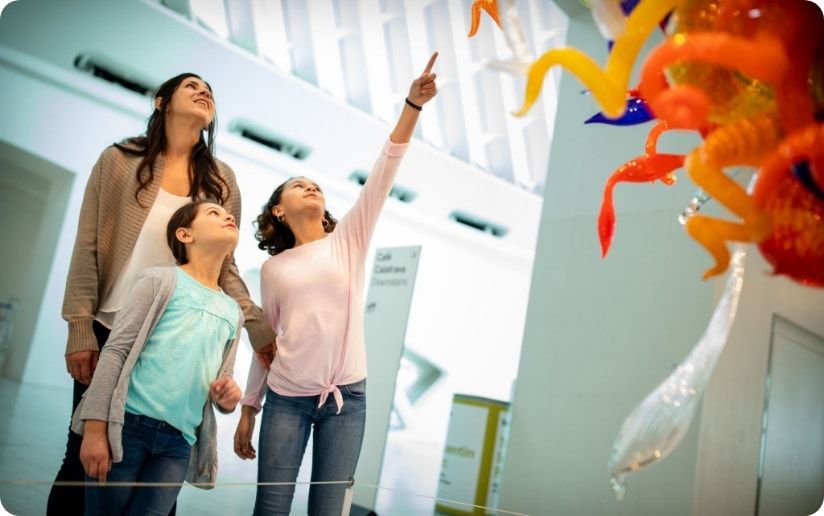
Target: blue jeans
[153,451]
[284,432]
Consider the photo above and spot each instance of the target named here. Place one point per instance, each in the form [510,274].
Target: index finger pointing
[430,63]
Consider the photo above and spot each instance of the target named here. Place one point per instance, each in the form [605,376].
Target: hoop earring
[280,218]
[325,223]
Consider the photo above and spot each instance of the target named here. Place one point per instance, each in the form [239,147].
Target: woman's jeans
[153,451]
[337,438]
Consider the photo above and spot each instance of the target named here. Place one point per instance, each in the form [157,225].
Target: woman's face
[300,196]
[192,98]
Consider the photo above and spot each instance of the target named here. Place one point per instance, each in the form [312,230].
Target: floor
[33,437]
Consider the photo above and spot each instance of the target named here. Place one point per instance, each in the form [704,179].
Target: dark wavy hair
[274,236]
[204,171]
[183,218]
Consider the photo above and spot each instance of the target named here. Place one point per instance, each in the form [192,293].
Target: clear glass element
[655,427]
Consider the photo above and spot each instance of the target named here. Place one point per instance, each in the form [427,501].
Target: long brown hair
[273,235]
[204,172]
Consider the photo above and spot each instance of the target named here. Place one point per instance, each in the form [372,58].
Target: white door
[791,480]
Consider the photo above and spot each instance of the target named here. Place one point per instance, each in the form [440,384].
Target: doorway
[33,197]
[791,466]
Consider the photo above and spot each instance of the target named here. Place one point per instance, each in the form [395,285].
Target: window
[362,52]
[212,15]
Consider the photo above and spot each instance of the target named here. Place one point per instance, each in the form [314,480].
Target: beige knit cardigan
[110,221]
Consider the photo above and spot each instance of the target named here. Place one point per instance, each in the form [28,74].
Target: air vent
[109,71]
[478,223]
[270,139]
[398,192]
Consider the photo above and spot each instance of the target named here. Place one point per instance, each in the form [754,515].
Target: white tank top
[150,249]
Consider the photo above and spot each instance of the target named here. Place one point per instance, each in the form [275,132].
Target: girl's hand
[225,392]
[94,452]
[423,88]
[243,434]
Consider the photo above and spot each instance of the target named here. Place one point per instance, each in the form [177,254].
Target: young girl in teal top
[147,416]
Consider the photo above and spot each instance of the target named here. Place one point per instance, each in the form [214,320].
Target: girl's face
[300,196]
[212,226]
[192,98]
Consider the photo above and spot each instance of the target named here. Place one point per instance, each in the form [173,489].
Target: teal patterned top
[170,380]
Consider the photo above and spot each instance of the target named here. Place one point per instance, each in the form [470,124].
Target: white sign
[385,316]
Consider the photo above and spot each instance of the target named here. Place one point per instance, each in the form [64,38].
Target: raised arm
[423,90]
[359,222]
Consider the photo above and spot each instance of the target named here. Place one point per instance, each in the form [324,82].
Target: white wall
[601,334]
[730,439]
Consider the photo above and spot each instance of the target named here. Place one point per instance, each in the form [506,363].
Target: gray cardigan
[105,398]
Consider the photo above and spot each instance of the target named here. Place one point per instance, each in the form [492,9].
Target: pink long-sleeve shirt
[312,296]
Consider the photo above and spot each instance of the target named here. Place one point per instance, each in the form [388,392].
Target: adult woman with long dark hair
[312,296]
[132,192]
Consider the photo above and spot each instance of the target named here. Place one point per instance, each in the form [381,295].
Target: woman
[312,296]
[130,196]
